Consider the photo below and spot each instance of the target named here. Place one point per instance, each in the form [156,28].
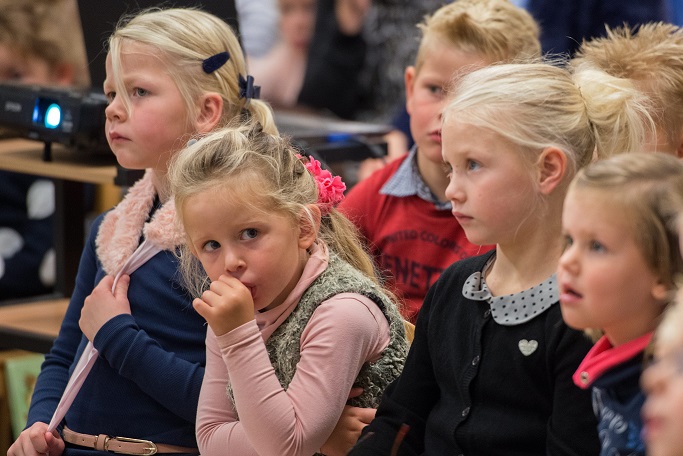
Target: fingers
[36,441]
[355,392]
[227,291]
[226,305]
[55,444]
[359,414]
[366,415]
[106,282]
[122,286]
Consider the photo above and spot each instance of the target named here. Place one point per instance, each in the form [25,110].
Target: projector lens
[53,116]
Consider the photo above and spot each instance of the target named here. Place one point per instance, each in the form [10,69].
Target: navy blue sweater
[145,383]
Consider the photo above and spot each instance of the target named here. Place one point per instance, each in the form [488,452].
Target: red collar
[603,356]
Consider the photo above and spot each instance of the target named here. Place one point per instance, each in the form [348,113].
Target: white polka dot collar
[513,309]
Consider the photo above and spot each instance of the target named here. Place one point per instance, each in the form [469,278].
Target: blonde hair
[651,55]
[49,30]
[244,156]
[649,189]
[537,105]
[669,330]
[183,38]
[494,28]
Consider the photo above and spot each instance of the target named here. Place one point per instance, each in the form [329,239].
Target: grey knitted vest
[340,277]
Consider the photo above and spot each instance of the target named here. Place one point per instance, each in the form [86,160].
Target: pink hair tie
[330,188]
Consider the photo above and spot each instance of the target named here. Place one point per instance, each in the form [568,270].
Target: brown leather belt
[122,445]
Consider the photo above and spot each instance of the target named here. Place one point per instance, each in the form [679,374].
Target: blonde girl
[295,311]
[616,276]
[171,74]
[663,383]
[489,371]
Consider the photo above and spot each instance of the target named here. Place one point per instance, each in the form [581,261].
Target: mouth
[651,427]
[114,136]
[460,217]
[569,295]
[251,288]
[435,136]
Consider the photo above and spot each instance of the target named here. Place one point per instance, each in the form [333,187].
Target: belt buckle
[149,450]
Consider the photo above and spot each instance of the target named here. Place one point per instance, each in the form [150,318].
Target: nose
[115,110]
[454,190]
[233,262]
[568,259]
[653,378]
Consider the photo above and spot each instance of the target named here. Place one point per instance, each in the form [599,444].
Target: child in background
[281,71]
[616,276]
[402,210]
[40,43]
[662,381]
[171,74]
[652,57]
[489,371]
[296,314]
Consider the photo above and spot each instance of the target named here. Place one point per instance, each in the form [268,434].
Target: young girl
[616,276]
[296,315]
[171,74]
[663,382]
[489,371]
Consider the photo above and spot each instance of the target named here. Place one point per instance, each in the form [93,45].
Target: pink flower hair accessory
[330,188]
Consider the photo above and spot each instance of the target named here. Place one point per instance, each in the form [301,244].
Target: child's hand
[36,441]
[102,305]
[226,305]
[348,428]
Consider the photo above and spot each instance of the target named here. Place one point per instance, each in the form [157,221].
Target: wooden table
[31,326]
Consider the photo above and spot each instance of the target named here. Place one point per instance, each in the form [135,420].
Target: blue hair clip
[247,88]
[211,64]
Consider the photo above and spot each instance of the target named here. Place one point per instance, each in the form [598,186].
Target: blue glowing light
[53,116]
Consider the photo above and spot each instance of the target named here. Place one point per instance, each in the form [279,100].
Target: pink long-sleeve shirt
[344,332]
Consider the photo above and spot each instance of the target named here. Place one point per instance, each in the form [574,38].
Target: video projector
[71,117]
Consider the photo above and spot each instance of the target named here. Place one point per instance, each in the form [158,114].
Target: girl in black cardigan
[489,371]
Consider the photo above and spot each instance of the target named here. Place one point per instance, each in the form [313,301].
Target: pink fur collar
[120,231]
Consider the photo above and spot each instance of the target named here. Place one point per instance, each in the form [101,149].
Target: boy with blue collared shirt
[402,209]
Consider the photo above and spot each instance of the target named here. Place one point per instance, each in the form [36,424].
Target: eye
[435,89]
[447,169]
[473,165]
[249,233]
[139,92]
[597,246]
[567,242]
[210,246]
[110,97]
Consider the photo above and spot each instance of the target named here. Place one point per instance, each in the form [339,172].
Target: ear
[309,225]
[660,292]
[552,167]
[410,86]
[210,112]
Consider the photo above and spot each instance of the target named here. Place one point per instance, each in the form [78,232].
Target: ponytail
[618,112]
